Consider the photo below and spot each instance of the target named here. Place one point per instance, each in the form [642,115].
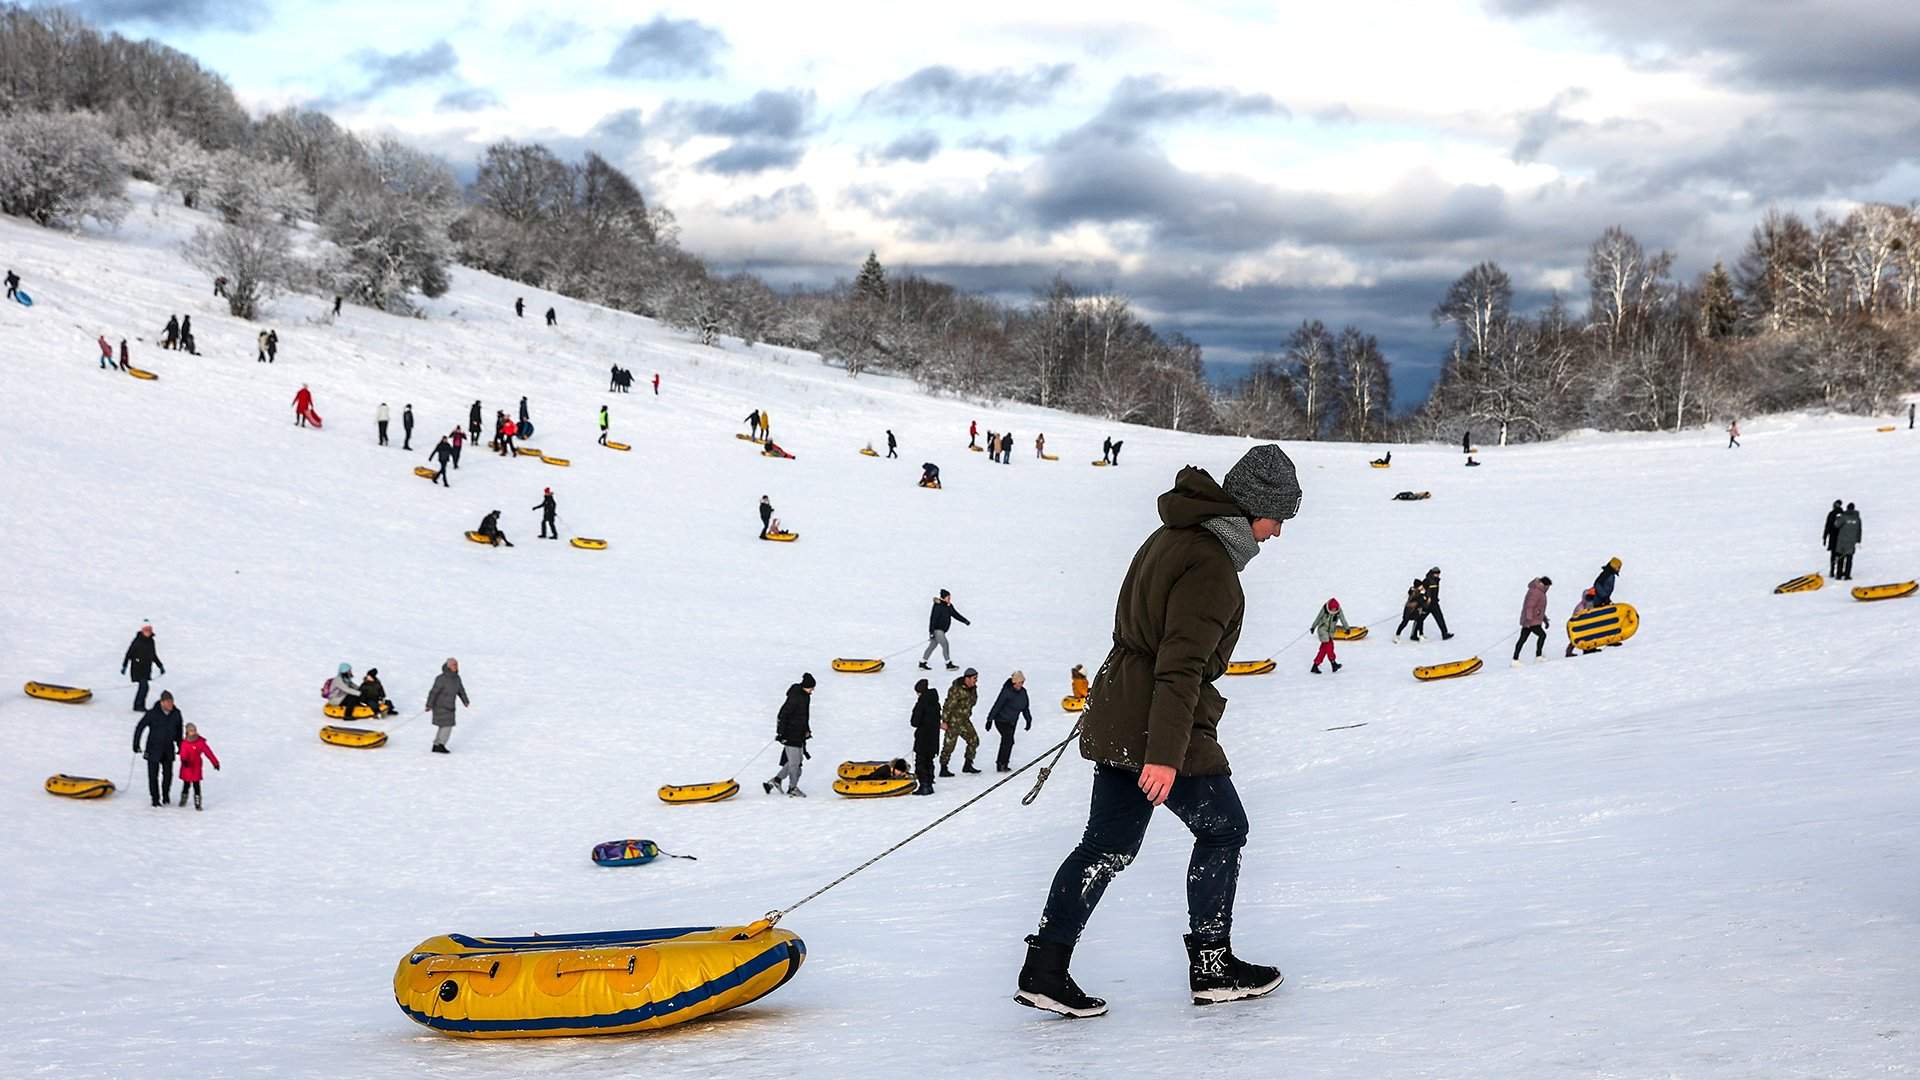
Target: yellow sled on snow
[718,791]
[868,451]
[138,374]
[782,537]
[424,473]
[1888,427]
[526,451]
[1803,583]
[360,712]
[1099,464]
[1251,667]
[71,695]
[1886,592]
[611,445]
[560,461]
[875,789]
[1049,457]
[588,543]
[479,538]
[1350,633]
[857,667]
[747,438]
[590,984]
[78,787]
[1458,669]
[1381,464]
[353,738]
[1073,704]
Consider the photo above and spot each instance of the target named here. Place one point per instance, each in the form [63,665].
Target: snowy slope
[1687,857]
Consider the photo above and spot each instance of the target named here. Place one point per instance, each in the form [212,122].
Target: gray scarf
[1236,535]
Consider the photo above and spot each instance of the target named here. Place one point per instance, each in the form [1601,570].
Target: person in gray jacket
[1007,710]
[1846,537]
[446,687]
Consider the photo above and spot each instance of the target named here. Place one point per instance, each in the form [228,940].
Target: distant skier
[1009,707]
[939,621]
[447,688]
[520,307]
[523,409]
[458,439]
[956,719]
[406,427]
[792,728]
[603,425]
[1329,619]
[1006,449]
[1826,538]
[13,285]
[1603,584]
[1533,618]
[553,318]
[548,509]
[302,406]
[929,478]
[380,417]
[1414,611]
[442,454]
[106,353]
[766,520]
[1433,603]
[1846,537]
[473,423]
[893,446]
[490,528]
[142,656]
[973,433]
[1733,434]
[193,749]
[926,734]
[161,725]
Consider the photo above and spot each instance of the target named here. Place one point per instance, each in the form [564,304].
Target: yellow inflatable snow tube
[1381,464]
[718,791]
[360,712]
[1803,583]
[857,667]
[782,537]
[78,787]
[611,445]
[1350,633]
[424,473]
[1455,670]
[589,543]
[1886,592]
[560,461]
[868,451]
[1250,667]
[1073,704]
[352,737]
[526,451]
[1049,457]
[138,374]
[590,984]
[875,789]
[72,695]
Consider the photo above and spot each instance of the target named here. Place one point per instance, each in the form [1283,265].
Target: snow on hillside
[1687,857]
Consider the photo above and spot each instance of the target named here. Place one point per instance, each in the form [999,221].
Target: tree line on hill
[1820,313]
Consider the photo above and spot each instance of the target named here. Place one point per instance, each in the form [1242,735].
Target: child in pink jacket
[192,749]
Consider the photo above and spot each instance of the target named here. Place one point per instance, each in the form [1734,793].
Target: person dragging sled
[1008,708]
[1603,584]
[792,728]
[1733,434]
[441,455]
[893,445]
[142,656]
[490,528]
[193,749]
[939,621]
[1329,619]
[1432,602]
[926,735]
[1533,618]
[447,688]
[766,517]
[1150,730]
[161,726]
[302,406]
[106,353]
[603,425]
[548,509]
[956,719]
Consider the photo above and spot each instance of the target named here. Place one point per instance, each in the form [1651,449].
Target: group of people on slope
[342,692]
[621,381]
[178,335]
[1423,603]
[759,425]
[443,698]
[382,415]
[1841,537]
[167,734]
[520,311]
[106,355]
[1110,450]
[268,342]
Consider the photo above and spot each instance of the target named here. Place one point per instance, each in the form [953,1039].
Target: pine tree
[1719,307]
[872,282]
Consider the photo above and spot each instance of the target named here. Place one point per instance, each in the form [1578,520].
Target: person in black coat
[1439,617]
[548,508]
[766,516]
[892,446]
[938,623]
[523,409]
[520,307]
[406,427]
[143,656]
[926,734]
[792,728]
[473,423]
[162,727]
[490,528]
[552,317]
[1007,710]
[442,454]
[1603,585]
[1826,538]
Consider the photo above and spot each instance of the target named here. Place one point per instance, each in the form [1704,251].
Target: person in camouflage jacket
[957,721]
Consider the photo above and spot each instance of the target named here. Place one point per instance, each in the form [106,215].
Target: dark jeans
[1439,617]
[1530,631]
[1843,566]
[1117,822]
[140,696]
[160,779]
[1419,624]
[547,528]
[923,766]
[406,437]
[1005,757]
[456,455]
[383,431]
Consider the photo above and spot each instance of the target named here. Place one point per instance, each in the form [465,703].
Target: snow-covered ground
[1688,857]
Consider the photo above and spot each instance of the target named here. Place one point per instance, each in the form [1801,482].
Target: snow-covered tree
[252,253]
[58,168]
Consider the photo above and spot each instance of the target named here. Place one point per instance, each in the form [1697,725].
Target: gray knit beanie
[1262,483]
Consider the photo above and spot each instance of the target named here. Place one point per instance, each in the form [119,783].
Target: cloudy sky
[1233,168]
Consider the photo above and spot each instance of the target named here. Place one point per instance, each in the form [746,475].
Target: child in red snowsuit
[192,749]
[302,405]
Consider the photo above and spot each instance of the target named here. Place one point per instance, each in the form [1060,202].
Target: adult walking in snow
[1603,584]
[446,690]
[956,719]
[1329,619]
[503,434]
[613,379]
[973,433]
[656,384]
[473,423]
[1439,617]
[1826,538]
[603,425]
[302,406]
[993,447]
[524,416]
[1414,611]
[1733,434]
[106,353]
[186,335]
[753,424]
[193,750]
[1106,449]
[142,656]
[13,285]
[1117,444]
[893,446]
[1150,730]
[457,439]
[161,726]
[548,508]
[519,307]
[1466,441]
[260,343]
[792,727]
[171,334]
[766,521]
[1533,618]
[926,735]
[441,455]
[1006,449]
[553,318]
[406,427]
[940,620]
[490,528]
[1846,538]
[380,417]
[1008,707]
[126,358]
[1040,445]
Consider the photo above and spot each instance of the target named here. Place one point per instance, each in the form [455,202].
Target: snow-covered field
[1689,857]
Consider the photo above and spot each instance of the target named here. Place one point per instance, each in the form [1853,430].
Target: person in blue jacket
[1603,585]
[1007,709]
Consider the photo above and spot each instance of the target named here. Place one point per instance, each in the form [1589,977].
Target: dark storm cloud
[1142,102]
[747,157]
[467,99]
[913,146]
[774,114]
[390,71]
[1838,45]
[669,49]
[940,89]
[173,14]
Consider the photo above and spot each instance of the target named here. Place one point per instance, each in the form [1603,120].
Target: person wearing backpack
[1329,619]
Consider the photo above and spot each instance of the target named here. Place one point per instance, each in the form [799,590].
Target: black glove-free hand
[161,666]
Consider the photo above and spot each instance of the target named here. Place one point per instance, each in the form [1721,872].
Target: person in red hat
[1324,624]
[548,531]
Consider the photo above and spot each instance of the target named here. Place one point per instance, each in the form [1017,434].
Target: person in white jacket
[380,416]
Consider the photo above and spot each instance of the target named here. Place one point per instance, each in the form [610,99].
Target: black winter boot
[1045,984]
[1215,975]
